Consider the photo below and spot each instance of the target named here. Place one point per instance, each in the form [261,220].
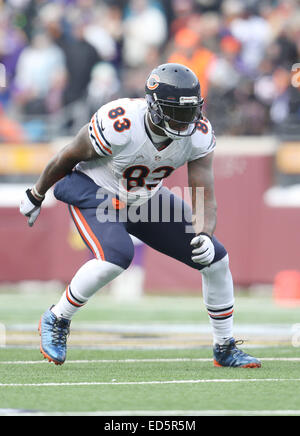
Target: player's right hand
[204,250]
[30,207]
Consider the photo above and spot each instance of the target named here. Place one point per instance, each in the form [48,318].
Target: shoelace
[60,333]
[231,345]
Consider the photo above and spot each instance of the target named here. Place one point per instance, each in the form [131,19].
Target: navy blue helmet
[174,99]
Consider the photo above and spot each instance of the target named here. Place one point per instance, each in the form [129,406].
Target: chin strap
[175,136]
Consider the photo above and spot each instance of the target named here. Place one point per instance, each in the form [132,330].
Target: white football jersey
[129,164]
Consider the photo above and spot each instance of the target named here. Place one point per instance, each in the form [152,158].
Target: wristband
[39,196]
[33,200]
[205,234]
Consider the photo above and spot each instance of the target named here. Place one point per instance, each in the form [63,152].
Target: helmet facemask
[177,119]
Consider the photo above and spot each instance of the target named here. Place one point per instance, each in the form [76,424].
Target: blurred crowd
[65,58]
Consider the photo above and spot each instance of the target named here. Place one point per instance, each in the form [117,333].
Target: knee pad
[122,258]
[118,248]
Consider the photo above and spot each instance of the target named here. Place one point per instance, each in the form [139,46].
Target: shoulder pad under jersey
[203,140]
[110,127]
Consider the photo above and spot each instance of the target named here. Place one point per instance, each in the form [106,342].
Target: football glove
[204,250]
[30,207]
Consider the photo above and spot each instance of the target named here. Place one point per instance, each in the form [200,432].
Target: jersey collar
[160,145]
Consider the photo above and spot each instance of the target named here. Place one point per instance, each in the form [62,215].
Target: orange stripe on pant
[81,221]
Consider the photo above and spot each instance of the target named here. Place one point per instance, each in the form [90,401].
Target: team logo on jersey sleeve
[153,82]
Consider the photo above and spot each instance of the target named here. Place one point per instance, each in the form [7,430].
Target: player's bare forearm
[80,149]
[201,180]
[57,168]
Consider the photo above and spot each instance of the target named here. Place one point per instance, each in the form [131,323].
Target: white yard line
[164,328]
[188,412]
[152,382]
[145,413]
[171,360]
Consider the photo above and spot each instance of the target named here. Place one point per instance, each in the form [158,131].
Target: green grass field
[151,357]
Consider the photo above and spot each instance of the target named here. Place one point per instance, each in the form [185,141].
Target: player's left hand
[30,207]
[204,250]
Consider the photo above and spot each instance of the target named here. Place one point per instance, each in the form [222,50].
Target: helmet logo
[153,82]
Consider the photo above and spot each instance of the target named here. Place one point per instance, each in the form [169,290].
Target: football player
[111,173]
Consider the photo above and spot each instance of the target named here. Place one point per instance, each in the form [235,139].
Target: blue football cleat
[229,355]
[54,332]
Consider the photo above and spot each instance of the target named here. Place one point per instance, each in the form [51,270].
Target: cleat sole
[249,365]
[252,365]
